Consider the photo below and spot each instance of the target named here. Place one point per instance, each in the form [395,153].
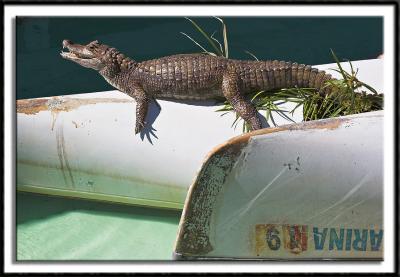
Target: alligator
[193,77]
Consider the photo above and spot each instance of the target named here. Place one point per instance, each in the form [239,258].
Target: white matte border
[387,11]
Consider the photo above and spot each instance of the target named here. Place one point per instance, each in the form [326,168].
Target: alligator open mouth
[81,54]
[75,51]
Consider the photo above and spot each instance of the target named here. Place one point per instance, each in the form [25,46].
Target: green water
[55,228]
[42,72]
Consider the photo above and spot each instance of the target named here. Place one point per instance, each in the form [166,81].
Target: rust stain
[261,232]
[31,106]
[295,238]
[268,238]
[61,104]
[330,124]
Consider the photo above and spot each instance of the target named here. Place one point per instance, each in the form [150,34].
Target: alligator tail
[281,74]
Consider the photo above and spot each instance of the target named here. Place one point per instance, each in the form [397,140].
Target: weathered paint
[84,145]
[298,169]
[300,239]
[61,104]
[217,165]
[194,231]
[81,142]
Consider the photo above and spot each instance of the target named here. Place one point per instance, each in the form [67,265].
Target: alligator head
[97,56]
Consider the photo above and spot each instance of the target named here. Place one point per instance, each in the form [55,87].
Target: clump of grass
[264,101]
[348,95]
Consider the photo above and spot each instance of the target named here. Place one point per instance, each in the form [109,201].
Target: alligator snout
[80,51]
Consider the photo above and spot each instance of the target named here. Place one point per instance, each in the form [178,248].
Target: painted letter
[349,233]
[273,240]
[333,239]
[375,239]
[319,238]
[360,242]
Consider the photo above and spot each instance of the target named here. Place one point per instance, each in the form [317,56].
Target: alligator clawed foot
[139,127]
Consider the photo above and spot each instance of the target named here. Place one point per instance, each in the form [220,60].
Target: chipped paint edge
[193,232]
[195,221]
[61,104]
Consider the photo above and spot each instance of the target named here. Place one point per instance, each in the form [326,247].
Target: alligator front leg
[142,104]
[243,107]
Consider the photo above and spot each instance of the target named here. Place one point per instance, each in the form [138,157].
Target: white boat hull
[302,191]
[84,145]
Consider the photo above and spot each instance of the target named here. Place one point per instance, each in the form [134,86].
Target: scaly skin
[193,76]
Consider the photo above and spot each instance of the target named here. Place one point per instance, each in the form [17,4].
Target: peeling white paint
[327,175]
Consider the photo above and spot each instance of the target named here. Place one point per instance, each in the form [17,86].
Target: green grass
[348,95]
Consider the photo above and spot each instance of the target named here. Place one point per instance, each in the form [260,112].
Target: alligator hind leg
[243,107]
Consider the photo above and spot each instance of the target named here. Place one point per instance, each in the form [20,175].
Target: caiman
[193,77]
